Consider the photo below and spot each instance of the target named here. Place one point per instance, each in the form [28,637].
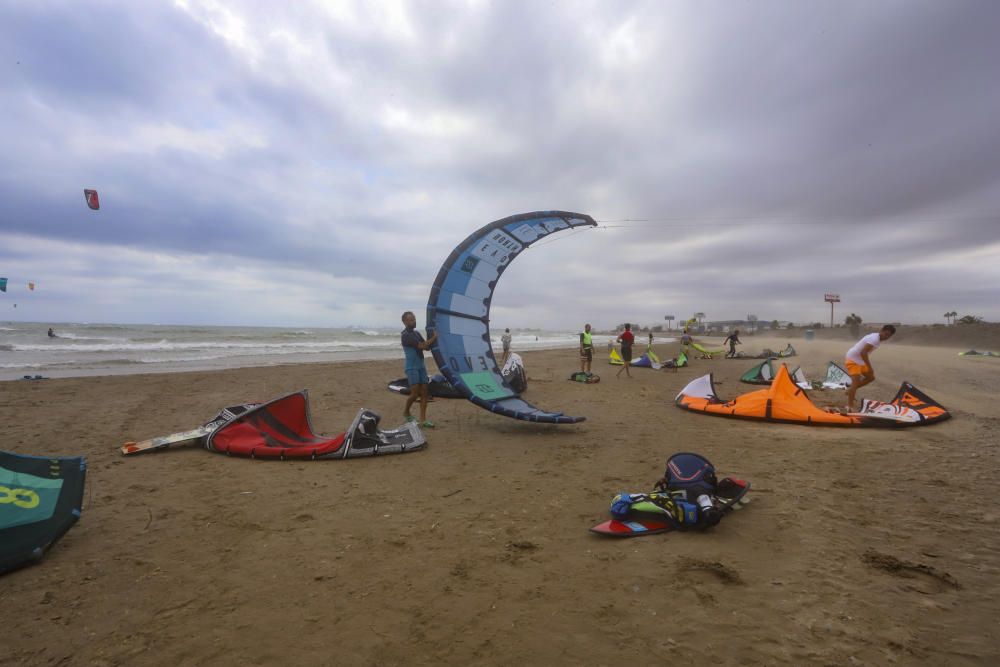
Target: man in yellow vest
[586,350]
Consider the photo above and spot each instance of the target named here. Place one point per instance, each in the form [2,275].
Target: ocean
[116,349]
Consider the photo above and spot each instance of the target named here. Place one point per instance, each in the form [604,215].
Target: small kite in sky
[3,284]
[92,201]
[31,286]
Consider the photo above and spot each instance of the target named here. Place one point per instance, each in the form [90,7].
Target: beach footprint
[926,579]
[702,570]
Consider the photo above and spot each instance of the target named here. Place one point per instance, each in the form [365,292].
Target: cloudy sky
[314,164]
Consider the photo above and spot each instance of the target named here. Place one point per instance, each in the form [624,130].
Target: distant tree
[969,319]
[953,314]
[854,322]
[774,324]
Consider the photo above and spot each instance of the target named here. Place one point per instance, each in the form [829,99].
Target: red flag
[92,201]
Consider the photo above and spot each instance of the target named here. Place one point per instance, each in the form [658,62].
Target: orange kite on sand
[786,402]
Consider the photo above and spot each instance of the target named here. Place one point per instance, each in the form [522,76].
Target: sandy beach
[860,546]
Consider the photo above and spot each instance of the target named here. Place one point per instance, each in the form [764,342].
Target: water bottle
[709,513]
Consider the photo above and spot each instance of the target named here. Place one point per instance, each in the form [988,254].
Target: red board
[615,528]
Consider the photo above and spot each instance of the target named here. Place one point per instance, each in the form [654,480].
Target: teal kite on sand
[40,499]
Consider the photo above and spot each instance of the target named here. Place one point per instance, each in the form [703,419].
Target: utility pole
[831,299]
[669,319]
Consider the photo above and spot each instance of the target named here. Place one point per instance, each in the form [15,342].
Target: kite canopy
[704,350]
[280,429]
[836,377]
[762,373]
[799,378]
[459,310]
[973,353]
[438,387]
[648,360]
[514,374]
[615,359]
[93,201]
[784,402]
[40,499]
[764,354]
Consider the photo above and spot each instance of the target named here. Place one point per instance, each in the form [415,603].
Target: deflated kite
[705,351]
[40,499]
[280,429]
[648,360]
[785,402]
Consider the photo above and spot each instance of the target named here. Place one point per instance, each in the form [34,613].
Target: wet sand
[860,546]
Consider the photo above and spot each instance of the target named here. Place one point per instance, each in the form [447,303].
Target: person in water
[858,364]
[52,334]
[416,371]
[586,349]
[505,339]
[733,339]
[626,338]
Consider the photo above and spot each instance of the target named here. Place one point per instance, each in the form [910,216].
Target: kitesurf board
[181,438]
[737,497]
[616,528]
[193,436]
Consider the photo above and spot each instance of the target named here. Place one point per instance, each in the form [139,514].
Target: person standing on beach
[505,339]
[586,349]
[859,365]
[416,371]
[686,341]
[626,338]
[651,338]
[733,339]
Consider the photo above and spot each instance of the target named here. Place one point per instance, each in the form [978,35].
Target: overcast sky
[314,164]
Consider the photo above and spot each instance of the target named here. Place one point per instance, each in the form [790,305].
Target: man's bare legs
[857,382]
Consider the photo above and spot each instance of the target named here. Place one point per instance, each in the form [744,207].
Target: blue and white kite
[459,310]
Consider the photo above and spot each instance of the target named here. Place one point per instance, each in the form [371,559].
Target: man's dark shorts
[587,354]
[627,354]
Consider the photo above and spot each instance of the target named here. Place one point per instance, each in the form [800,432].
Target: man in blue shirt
[416,372]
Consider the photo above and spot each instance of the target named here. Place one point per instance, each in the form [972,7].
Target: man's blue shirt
[411,339]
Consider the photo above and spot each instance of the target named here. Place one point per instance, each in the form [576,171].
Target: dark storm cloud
[778,150]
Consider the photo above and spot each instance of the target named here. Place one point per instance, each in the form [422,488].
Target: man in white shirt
[859,366]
